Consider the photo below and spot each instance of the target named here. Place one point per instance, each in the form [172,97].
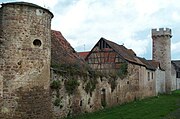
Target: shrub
[71,85]
[71,69]
[90,85]
[55,84]
[122,72]
[57,102]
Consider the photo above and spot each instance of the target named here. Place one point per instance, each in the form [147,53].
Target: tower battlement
[161,32]
[161,39]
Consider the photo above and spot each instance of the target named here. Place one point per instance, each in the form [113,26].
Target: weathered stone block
[25,61]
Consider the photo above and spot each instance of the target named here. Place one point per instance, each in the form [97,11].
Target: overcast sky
[128,22]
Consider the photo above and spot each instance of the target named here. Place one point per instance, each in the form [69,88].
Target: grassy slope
[151,108]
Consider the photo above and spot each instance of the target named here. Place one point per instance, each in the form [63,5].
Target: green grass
[152,108]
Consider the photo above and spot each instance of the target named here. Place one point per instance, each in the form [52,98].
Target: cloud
[175,47]
[176,16]
[117,20]
[175,51]
[44,3]
[73,18]
[83,22]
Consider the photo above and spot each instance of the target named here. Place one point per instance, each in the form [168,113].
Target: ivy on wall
[71,85]
[55,84]
[90,85]
[71,70]
[123,71]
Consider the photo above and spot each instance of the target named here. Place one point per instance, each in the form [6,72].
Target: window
[37,43]
[177,74]
[89,100]
[103,97]
[148,76]
[152,75]
[81,103]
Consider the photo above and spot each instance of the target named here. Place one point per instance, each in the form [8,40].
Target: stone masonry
[134,86]
[162,52]
[25,58]
[25,47]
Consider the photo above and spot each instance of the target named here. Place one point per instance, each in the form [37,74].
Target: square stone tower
[162,52]
[25,50]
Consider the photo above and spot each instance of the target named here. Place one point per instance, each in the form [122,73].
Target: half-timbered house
[109,56]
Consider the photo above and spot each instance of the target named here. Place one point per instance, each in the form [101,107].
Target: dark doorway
[103,97]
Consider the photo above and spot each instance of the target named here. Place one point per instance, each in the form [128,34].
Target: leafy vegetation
[55,84]
[70,69]
[152,108]
[122,72]
[90,85]
[71,85]
[57,102]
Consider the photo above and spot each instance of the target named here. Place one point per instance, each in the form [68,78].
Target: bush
[57,102]
[71,85]
[90,85]
[122,72]
[71,69]
[55,84]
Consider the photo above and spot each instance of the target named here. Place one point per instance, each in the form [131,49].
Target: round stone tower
[162,52]
[25,47]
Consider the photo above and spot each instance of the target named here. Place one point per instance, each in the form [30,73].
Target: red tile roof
[61,51]
[83,54]
[129,55]
[125,53]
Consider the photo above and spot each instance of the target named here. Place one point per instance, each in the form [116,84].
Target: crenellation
[162,52]
[26,67]
[161,32]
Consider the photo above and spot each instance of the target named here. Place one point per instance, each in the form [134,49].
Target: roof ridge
[122,51]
